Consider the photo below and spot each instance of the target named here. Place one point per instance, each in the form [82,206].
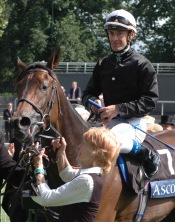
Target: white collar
[96,170]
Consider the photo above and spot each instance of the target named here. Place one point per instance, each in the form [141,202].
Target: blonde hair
[105,146]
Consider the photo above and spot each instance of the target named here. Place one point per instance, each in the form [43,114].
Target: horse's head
[36,88]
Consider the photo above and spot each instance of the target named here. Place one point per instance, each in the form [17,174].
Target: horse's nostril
[25,121]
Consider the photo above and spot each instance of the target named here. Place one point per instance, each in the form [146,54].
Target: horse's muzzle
[24,128]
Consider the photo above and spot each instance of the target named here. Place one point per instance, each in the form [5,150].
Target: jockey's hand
[108,112]
[94,108]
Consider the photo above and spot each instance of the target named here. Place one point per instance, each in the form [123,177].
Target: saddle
[133,175]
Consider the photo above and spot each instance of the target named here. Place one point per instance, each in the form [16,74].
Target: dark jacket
[7,114]
[132,84]
[84,212]
[77,93]
[7,165]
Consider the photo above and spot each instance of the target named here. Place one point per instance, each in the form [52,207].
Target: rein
[24,162]
[124,121]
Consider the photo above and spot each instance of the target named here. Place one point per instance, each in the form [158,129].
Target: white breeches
[127,133]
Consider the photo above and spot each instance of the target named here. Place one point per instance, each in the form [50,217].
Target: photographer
[7,164]
[13,174]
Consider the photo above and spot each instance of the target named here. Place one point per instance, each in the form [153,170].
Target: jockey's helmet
[120,20]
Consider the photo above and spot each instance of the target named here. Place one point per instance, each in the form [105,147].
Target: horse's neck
[72,127]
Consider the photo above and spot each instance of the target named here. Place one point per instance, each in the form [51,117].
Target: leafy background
[30,29]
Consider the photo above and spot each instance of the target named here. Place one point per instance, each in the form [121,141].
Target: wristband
[39,170]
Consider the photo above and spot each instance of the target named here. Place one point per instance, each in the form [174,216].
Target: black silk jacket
[131,84]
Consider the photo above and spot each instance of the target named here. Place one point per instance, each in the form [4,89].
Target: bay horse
[42,105]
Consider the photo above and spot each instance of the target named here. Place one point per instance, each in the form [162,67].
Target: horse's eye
[44,88]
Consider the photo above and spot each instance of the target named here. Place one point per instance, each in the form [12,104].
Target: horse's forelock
[35,65]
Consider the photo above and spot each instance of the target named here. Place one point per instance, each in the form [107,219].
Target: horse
[43,108]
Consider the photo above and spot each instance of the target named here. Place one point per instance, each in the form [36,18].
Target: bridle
[43,114]
[46,113]
[52,98]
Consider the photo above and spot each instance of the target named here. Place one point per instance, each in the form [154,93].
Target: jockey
[128,83]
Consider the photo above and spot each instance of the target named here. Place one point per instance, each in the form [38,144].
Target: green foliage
[30,29]
[6,94]
[155,25]
[69,39]
[3,16]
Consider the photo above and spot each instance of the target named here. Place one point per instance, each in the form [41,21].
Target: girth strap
[143,198]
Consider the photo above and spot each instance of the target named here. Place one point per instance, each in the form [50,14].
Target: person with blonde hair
[80,195]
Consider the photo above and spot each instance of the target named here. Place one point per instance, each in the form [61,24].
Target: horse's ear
[54,60]
[21,64]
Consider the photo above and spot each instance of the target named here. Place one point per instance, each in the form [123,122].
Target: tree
[25,35]
[156,22]
[75,41]
[3,16]
[34,27]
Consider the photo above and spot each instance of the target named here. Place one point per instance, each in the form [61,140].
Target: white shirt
[78,188]
[73,94]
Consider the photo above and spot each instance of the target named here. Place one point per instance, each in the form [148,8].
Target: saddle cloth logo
[162,189]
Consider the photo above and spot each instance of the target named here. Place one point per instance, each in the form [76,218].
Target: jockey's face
[119,39]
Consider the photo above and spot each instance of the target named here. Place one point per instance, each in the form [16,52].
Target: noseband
[36,108]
